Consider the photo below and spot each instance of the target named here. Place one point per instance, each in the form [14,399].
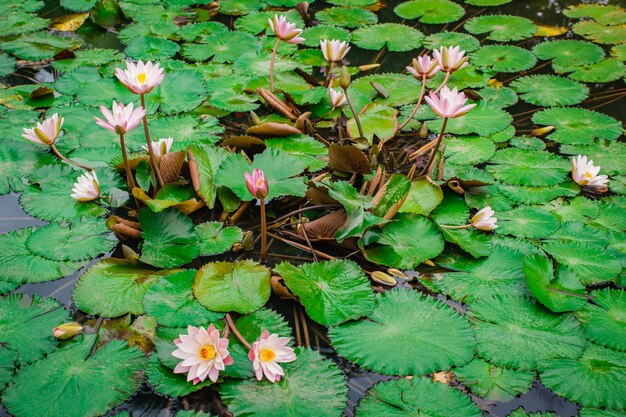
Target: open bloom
[267,353]
[284,30]
[140,78]
[449,103]
[256,183]
[161,147]
[203,352]
[337,98]
[87,188]
[45,133]
[121,119]
[484,220]
[424,67]
[335,50]
[451,59]
[585,173]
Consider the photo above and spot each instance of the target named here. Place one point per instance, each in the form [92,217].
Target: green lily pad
[26,325]
[170,301]
[501,28]
[549,90]
[578,126]
[216,239]
[527,222]
[299,390]
[397,247]
[494,383]
[331,292]
[309,151]
[38,46]
[600,33]
[404,397]
[21,23]
[165,382]
[97,383]
[256,22]
[515,331]
[7,64]
[394,36]
[17,159]
[430,11]
[605,14]
[483,120]
[78,5]
[498,97]
[149,47]
[589,262]
[87,57]
[208,160]
[504,58]
[221,46]
[423,197]
[241,286]
[605,71]
[313,35]
[604,321]
[113,287]
[402,320]
[569,52]
[376,120]
[597,379]
[466,42]
[468,149]
[348,17]
[180,91]
[529,168]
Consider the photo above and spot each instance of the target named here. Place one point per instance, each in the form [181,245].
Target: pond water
[146,402]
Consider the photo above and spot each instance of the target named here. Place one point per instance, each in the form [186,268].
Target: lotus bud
[248,240]
[67,330]
[257,184]
[429,262]
[397,273]
[368,67]
[541,131]
[423,133]
[254,118]
[129,253]
[383,278]
[344,78]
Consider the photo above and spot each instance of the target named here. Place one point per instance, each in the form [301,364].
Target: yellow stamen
[141,77]
[206,352]
[267,355]
[588,175]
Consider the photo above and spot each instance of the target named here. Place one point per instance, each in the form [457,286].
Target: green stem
[146,131]
[356,116]
[417,106]
[263,231]
[273,58]
[431,160]
[69,161]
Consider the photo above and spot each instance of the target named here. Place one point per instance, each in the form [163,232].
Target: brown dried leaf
[325,227]
[348,158]
[272,100]
[70,22]
[170,165]
[273,129]
[243,142]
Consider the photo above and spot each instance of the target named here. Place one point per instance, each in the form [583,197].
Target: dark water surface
[146,402]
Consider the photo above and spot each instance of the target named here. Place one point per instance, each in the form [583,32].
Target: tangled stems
[146,131]
[431,160]
[231,324]
[69,161]
[263,231]
[272,59]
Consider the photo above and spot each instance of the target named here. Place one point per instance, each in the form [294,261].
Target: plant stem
[431,160]
[263,232]
[356,116]
[329,74]
[57,153]
[445,80]
[273,58]
[233,328]
[129,174]
[464,226]
[146,131]
[417,106]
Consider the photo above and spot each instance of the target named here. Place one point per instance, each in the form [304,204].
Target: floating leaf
[349,17]
[397,247]
[423,197]
[241,286]
[527,222]
[483,120]
[309,151]
[165,382]
[515,331]
[313,35]
[597,379]
[549,90]
[578,126]
[590,263]
[180,91]
[504,58]
[301,390]
[501,28]
[603,321]
[376,120]
[604,71]
[398,398]
[402,320]
[113,287]
[492,382]
[395,37]
[78,5]
[605,14]
[96,383]
[170,301]
[7,64]
[216,239]
[466,42]
[149,47]
[468,149]
[430,11]
[206,160]
[26,326]
[599,33]
[17,159]
[569,52]
[41,45]
[331,292]
[240,7]
[530,168]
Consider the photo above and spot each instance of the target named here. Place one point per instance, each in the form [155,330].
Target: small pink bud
[257,184]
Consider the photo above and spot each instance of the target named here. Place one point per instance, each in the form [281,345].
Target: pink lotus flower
[449,103]
[424,67]
[337,98]
[484,220]
[585,173]
[284,30]
[450,59]
[45,133]
[121,119]
[203,352]
[256,183]
[334,51]
[267,353]
[161,147]
[140,78]
[87,188]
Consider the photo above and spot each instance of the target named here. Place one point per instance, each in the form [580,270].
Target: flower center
[267,355]
[588,175]
[141,77]
[206,352]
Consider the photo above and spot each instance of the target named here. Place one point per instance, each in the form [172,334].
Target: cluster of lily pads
[456,226]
